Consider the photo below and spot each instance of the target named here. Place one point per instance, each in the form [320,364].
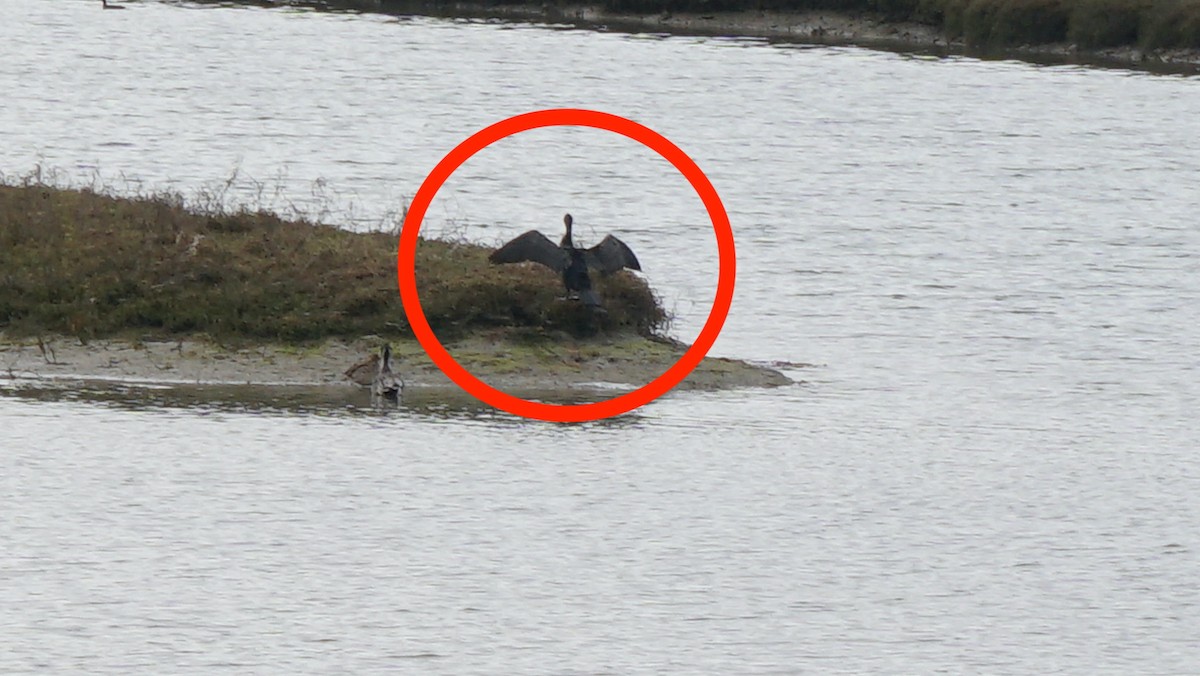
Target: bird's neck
[567,242]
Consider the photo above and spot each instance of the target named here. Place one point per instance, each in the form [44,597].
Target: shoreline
[614,363]
[820,28]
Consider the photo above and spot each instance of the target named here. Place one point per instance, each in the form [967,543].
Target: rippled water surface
[990,468]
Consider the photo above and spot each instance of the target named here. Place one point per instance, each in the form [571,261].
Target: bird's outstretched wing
[532,246]
[610,255]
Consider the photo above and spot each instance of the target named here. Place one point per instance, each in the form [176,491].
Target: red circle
[407,278]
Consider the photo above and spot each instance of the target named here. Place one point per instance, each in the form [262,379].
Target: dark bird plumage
[610,255]
[105,5]
[386,384]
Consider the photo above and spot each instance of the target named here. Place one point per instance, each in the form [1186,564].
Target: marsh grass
[80,262]
[1089,24]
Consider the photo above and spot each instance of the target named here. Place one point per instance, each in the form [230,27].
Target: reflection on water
[444,403]
[202,399]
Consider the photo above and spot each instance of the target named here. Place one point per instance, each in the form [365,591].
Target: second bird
[610,255]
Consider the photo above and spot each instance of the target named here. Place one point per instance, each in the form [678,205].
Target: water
[991,468]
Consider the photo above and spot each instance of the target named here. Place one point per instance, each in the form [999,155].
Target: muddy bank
[620,363]
[820,27]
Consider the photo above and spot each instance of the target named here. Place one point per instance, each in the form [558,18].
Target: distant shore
[1046,31]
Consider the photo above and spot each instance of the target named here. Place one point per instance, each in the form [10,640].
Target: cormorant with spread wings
[610,255]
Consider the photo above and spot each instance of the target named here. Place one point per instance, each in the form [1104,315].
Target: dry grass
[88,264]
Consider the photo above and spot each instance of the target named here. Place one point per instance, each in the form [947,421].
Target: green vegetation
[87,264]
[1090,24]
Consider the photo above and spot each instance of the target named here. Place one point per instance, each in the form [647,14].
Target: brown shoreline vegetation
[87,264]
[147,288]
[1150,34]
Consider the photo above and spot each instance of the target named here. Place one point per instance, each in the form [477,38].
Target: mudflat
[624,361]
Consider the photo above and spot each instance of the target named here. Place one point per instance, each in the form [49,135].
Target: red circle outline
[407,279]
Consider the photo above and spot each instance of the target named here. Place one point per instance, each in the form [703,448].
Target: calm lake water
[991,467]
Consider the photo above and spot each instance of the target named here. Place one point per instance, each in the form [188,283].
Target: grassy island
[93,284]
[91,265]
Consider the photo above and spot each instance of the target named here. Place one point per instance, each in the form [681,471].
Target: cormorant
[610,255]
[386,385]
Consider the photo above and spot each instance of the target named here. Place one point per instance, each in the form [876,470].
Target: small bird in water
[386,384]
[105,5]
[607,257]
